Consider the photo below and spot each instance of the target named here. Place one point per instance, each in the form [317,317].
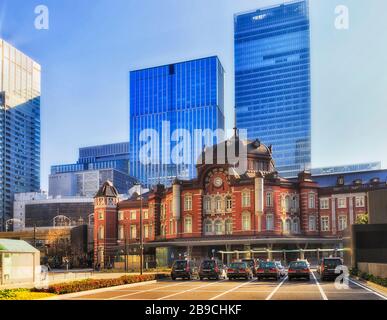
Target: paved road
[238,290]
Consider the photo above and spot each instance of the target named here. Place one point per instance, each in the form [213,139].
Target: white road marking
[368,289]
[189,290]
[319,287]
[231,290]
[143,291]
[276,289]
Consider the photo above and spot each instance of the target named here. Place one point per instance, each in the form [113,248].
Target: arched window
[287,226]
[218,202]
[287,204]
[207,204]
[218,227]
[294,202]
[228,203]
[228,226]
[208,229]
[246,221]
[188,224]
[269,222]
[296,226]
[101,232]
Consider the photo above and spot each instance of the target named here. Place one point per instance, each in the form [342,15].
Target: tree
[362,218]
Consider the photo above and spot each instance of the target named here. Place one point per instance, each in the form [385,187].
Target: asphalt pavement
[313,289]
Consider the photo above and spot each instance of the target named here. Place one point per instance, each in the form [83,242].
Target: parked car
[298,269]
[281,268]
[327,268]
[184,269]
[268,269]
[212,269]
[239,270]
[252,263]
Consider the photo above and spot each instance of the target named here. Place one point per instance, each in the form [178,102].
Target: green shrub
[91,284]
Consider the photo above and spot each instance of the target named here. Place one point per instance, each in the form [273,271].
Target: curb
[371,285]
[82,293]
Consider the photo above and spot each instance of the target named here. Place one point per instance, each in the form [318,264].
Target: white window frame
[311,200]
[188,202]
[359,201]
[228,203]
[270,218]
[120,215]
[146,231]
[218,223]
[188,226]
[312,223]
[133,231]
[208,223]
[101,232]
[342,203]
[228,223]
[269,199]
[133,213]
[246,199]
[246,221]
[342,222]
[121,232]
[325,224]
[324,203]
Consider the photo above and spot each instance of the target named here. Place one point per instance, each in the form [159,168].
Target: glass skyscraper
[19,127]
[95,165]
[272,81]
[189,95]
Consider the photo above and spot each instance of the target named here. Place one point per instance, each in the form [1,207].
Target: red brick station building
[227,215]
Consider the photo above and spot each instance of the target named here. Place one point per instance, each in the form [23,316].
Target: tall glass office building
[188,95]
[19,127]
[272,81]
[95,165]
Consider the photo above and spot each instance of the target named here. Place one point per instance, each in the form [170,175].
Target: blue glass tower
[189,95]
[272,81]
[19,128]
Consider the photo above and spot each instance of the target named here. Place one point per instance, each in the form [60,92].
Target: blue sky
[91,46]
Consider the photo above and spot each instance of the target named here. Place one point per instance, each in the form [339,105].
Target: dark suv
[327,268]
[184,269]
[212,269]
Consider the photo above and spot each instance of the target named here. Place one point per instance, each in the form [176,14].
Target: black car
[239,270]
[298,269]
[184,269]
[252,264]
[212,269]
[327,268]
[268,269]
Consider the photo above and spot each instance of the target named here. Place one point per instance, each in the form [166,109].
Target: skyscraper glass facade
[95,165]
[272,81]
[19,127]
[188,95]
